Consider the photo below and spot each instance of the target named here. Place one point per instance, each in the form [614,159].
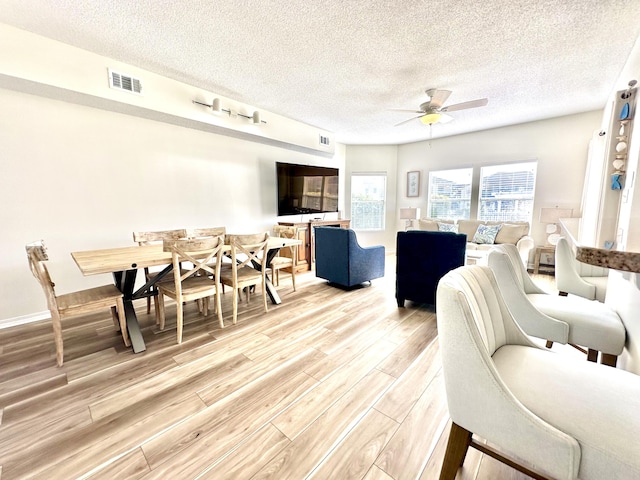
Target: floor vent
[125,82]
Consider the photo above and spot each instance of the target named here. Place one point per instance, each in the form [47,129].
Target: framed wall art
[413,184]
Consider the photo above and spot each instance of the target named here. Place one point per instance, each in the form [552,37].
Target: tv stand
[306,251]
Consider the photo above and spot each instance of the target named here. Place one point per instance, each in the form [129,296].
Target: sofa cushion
[486,234]
[469,227]
[512,232]
[427,225]
[596,405]
[447,227]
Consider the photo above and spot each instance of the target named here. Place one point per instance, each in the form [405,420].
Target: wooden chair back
[150,238]
[248,249]
[206,232]
[200,252]
[37,255]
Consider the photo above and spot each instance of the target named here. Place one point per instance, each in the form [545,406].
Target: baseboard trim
[15,321]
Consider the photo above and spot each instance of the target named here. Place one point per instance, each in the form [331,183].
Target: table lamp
[552,216]
[409,214]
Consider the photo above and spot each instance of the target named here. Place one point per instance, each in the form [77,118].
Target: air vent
[324,140]
[125,82]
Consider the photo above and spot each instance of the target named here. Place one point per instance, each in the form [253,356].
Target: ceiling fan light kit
[430,118]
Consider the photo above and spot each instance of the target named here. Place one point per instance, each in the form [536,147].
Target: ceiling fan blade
[444,118]
[481,102]
[438,97]
[403,110]
[407,121]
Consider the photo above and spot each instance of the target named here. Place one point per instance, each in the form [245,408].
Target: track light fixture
[216,108]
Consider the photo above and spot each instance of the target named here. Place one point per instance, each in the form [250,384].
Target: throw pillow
[511,233]
[486,234]
[428,225]
[447,227]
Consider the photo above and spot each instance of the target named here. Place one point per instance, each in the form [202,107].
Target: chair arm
[524,246]
[530,319]
[366,263]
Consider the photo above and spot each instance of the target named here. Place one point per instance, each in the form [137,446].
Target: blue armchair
[340,260]
[422,259]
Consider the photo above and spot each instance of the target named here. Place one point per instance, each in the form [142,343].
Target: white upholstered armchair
[550,414]
[572,276]
[574,320]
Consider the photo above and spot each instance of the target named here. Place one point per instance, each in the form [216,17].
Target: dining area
[188,268]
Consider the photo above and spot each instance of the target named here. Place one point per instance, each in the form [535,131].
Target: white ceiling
[341,64]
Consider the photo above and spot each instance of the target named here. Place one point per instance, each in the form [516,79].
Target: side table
[551,249]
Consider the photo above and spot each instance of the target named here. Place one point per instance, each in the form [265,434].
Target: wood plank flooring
[331,384]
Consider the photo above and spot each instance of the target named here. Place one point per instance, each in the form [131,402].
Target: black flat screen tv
[305,189]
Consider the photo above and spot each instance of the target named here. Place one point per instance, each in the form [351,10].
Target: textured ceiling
[340,65]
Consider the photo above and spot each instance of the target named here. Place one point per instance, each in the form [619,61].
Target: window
[506,192]
[450,193]
[368,196]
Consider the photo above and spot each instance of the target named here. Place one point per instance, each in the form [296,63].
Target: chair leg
[457,446]
[264,297]
[160,302]
[57,336]
[218,307]
[235,305]
[148,305]
[179,318]
[293,277]
[122,319]
[592,355]
[608,359]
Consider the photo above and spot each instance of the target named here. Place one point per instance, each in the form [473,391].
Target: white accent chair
[572,276]
[574,320]
[543,413]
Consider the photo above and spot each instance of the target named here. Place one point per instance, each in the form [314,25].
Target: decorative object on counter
[408,214]
[623,123]
[552,216]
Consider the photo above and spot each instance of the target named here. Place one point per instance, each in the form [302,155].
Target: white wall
[83,178]
[559,145]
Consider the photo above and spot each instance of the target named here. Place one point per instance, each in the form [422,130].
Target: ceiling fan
[432,111]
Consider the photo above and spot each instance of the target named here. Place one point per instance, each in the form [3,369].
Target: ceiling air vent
[125,82]
[324,140]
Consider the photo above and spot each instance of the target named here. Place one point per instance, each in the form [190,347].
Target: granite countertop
[601,257]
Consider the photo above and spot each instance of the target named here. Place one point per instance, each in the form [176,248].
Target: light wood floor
[331,384]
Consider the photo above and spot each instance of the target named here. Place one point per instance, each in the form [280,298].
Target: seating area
[546,414]
[180,264]
[483,235]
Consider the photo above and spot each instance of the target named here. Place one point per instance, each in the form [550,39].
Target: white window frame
[357,205]
[516,201]
[436,195]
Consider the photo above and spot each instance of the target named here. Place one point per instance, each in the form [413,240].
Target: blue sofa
[422,259]
[341,260]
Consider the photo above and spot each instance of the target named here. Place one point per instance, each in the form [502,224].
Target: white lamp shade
[553,215]
[409,213]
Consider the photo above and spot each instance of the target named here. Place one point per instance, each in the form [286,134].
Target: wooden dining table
[124,262]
